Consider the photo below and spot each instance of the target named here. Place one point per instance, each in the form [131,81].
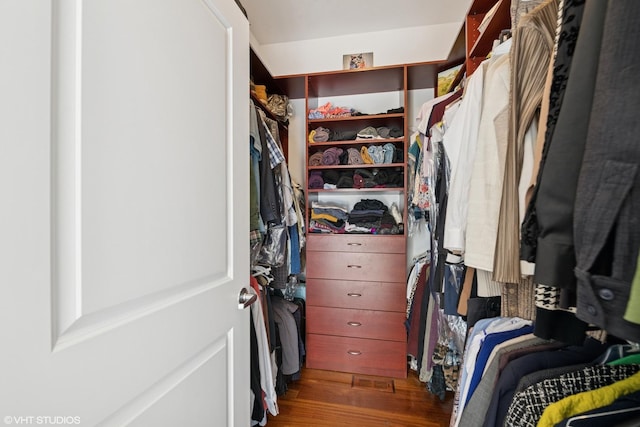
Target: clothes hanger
[618,351]
[261,270]
[577,418]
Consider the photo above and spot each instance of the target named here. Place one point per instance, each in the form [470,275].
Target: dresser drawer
[356,266]
[357,355]
[384,296]
[357,243]
[381,325]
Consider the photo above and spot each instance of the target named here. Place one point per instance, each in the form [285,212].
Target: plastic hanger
[618,351]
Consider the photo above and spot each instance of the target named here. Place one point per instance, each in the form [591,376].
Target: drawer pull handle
[352,294]
[354,323]
[354,266]
[354,244]
[354,352]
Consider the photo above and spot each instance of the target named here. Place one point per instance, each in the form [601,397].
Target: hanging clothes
[607,240]
[533,42]
[528,406]
[488,168]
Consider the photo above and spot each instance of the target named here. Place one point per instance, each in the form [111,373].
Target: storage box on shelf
[356,282]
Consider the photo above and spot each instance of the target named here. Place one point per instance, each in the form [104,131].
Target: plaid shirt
[275,153]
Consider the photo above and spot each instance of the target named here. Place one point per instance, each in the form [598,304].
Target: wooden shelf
[351,82]
[357,118]
[355,142]
[479,45]
[358,190]
[360,166]
[501,20]
[261,76]
[332,263]
[481,6]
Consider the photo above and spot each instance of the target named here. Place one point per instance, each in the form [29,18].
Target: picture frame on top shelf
[357,61]
[446,78]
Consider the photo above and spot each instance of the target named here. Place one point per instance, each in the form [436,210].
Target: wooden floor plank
[327,398]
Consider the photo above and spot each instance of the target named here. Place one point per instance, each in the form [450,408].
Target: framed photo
[357,61]
[446,78]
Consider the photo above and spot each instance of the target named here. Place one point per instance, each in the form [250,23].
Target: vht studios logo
[45,420]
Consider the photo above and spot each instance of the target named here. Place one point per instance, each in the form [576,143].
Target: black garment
[331,176]
[364,173]
[516,369]
[567,38]
[370,204]
[281,383]
[482,308]
[299,318]
[555,256]
[606,217]
[396,178]
[269,203]
[343,135]
[345,181]
[398,156]
[382,177]
[546,326]
[344,158]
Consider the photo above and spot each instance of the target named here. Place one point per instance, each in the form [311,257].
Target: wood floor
[326,398]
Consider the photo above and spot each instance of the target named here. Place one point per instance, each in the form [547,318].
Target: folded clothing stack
[326,218]
[372,216]
[323,134]
[358,178]
[331,156]
[328,111]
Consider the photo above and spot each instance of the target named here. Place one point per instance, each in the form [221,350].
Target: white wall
[392,47]
[297,146]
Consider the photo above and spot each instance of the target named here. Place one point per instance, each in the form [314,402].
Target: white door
[124,213]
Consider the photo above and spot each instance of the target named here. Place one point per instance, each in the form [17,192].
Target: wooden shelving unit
[355,282]
[480,44]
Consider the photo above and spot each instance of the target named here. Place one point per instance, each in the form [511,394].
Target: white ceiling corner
[282,21]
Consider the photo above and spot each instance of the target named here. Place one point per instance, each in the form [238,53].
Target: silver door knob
[246,298]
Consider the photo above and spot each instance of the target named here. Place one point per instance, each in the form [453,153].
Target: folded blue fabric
[389,152]
[377,154]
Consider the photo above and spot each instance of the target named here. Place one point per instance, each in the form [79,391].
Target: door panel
[192,387]
[125,246]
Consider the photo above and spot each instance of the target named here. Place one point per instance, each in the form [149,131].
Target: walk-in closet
[417,213]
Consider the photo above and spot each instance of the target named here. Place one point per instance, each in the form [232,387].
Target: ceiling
[281,21]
